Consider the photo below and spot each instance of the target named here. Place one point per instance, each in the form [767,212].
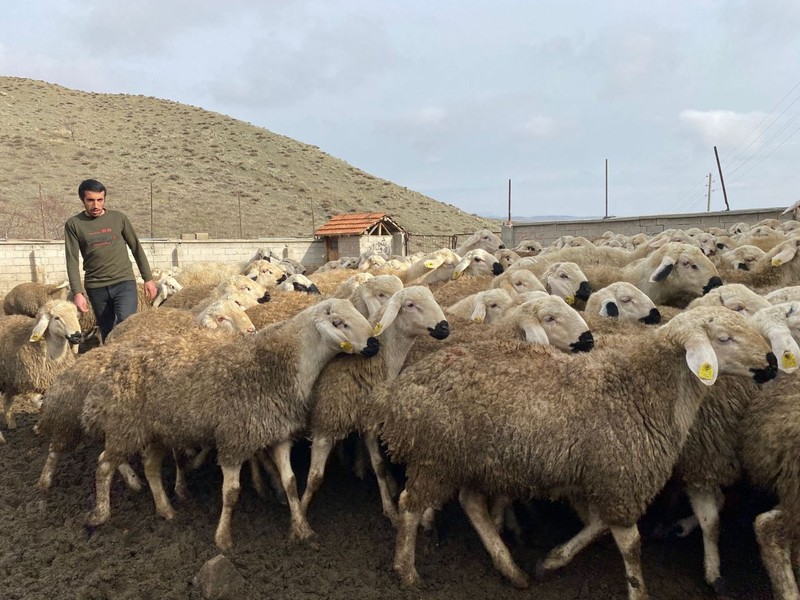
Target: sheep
[739,228]
[785,294]
[346,287]
[762,236]
[518,281]
[528,247]
[34,351]
[741,257]
[62,403]
[282,306]
[374,293]
[734,296]
[431,268]
[506,257]
[265,273]
[345,384]
[582,427]
[710,459]
[482,239]
[28,298]
[624,302]
[477,262]
[332,283]
[191,297]
[769,450]
[484,307]
[207,273]
[567,281]
[777,268]
[298,283]
[238,396]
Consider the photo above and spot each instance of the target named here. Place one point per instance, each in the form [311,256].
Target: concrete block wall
[546,232]
[43,261]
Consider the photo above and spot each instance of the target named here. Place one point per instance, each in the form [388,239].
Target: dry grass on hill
[201,165]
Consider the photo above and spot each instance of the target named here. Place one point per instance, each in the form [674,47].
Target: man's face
[94,203]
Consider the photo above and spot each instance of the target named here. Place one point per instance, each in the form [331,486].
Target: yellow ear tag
[378,328]
[347,347]
[706,371]
[477,320]
[429,264]
[35,337]
[570,300]
[777,262]
[789,361]
[456,274]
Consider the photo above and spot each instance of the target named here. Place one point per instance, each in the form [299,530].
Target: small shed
[350,234]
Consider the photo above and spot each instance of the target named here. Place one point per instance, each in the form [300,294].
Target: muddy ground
[46,552]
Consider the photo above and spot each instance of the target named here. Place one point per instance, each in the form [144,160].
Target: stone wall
[43,260]
[546,232]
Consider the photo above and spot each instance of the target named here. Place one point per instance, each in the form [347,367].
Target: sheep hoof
[304,534]
[721,587]
[2,439]
[408,579]
[223,541]
[541,572]
[519,579]
[96,518]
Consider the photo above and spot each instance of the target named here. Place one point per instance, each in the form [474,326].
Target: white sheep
[733,296]
[28,298]
[433,267]
[784,294]
[484,307]
[602,429]
[483,239]
[622,301]
[477,262]
[528,248]
[741,257]
[238,396]
[518,281]
[34,351]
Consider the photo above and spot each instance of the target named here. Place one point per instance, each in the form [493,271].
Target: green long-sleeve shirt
[102,243]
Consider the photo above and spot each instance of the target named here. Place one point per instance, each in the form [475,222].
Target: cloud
[724,127]
[539,126]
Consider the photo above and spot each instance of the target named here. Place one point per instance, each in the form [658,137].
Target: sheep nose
[441,331]
[264,298]
[653,318]
[75,338]
[585,342]
[497,268]
[612,310]
[372,347]
[584,291]
[764,375]
[714,282]
[743,267]
[502,247]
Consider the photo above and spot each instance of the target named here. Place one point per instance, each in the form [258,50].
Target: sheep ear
[664,269]
[479,314]
[784,346]
[434,263]
[784,256]
[534,332]
[392,307]
[334,335]
[460,268]
[373,305]
[702,359]
[40,328]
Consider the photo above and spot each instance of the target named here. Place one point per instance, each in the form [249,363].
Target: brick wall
[43,261]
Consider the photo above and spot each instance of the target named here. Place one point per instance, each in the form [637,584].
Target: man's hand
[150,289]
[80,302]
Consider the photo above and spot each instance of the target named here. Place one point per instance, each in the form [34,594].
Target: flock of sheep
[591,371]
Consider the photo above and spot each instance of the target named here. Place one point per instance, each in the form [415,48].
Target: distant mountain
[533,219]
[174,168]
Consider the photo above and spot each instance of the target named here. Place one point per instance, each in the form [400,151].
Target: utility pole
[509,204]
[721,180]
[239,202]
[708,203]
[151,209]
[41,208]
[606,215]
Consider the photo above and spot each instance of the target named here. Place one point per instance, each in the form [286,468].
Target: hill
[198,166]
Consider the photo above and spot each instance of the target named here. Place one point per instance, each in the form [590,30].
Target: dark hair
[90,185]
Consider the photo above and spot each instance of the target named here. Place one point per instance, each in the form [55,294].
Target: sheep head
[339,324]
[414,311]
[780,324]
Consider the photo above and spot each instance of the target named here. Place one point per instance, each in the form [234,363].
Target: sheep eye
[56,318]
[564,276]
[410,305]
[625,300]
[493,305]
[549,319]
[725,339]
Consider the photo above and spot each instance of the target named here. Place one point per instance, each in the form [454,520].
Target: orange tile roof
[352,223]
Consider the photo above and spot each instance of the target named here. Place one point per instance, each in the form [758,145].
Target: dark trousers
[113,304]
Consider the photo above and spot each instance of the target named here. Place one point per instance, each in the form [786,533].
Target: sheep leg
[106,465]
[153,457]
[563,554]
[503,516]
[686,525]
[359,461]
[230,495]
[776,554]
[130,477]
[255,477]
[274,476]
[301,530]
[405,548]
[630,546]
[49,469]
[199,459]
[8,401]
[383,476]
[474,505]
[320,451]
[706,505]
[181,465]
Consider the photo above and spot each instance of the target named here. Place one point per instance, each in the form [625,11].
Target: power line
[769,141]
[770,154]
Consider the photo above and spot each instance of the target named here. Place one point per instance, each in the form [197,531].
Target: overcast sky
[454,98]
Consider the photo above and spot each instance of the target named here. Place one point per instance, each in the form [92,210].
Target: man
[102,237]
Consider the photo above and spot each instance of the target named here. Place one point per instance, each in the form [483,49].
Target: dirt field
[46,552]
